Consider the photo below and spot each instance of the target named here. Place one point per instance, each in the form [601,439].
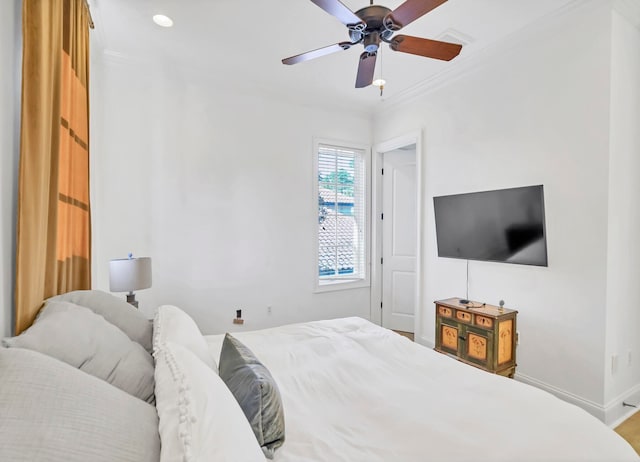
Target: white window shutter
[341,213]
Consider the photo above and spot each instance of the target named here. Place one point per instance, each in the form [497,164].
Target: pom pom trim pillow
[171,324]
[199,418]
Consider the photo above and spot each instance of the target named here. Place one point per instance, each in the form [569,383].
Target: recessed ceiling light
[162,20]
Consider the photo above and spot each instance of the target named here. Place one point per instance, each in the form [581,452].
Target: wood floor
[409,335]
[630,431]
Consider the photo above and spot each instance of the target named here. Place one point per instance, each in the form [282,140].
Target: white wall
[214,182]
[534,111]
[623,282]
[10,62]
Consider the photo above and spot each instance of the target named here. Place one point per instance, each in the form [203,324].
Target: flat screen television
[505,225]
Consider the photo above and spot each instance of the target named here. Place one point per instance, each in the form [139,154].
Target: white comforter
[354,392]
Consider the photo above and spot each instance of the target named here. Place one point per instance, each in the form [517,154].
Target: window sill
[344,284]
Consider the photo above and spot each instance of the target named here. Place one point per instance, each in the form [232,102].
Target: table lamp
[129,274]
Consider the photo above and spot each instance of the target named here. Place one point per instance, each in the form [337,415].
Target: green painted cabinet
[477,334]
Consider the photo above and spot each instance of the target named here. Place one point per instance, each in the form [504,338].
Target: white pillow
[199,417]
[171,324]
[53,412]
[115,310]
[79,337]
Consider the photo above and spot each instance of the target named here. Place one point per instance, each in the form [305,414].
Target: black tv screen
[505,225]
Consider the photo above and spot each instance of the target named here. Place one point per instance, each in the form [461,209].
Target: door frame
[376,226]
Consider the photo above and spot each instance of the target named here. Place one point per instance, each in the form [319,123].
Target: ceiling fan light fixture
[162,20]
[371,42]
[379,83]
[374,24]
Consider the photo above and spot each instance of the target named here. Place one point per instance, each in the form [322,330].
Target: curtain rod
[91,24]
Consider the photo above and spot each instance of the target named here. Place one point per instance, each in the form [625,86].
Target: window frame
[343,283]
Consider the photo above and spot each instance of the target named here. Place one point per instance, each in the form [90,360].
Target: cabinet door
[478,346]
[505,341]
[449,333]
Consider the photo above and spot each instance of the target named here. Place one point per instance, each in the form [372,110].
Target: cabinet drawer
[463,316]
[483,321]
[444,311]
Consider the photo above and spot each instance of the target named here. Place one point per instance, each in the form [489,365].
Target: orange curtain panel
[53,253]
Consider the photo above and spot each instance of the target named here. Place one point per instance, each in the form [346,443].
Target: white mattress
[353,391]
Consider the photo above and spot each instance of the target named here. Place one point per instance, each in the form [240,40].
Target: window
[341,193]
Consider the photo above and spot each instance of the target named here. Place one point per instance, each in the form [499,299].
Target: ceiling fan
[374,24]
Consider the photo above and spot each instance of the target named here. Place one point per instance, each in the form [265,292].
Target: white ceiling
[244,42]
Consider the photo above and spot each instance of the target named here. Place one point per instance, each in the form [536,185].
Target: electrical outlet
[517,337]
[269,309]
[614,364]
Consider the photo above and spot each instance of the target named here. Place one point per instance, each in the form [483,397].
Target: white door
[399,228]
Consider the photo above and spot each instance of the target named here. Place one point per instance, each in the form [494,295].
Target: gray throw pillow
[84,340]
[115,310]
[51,412]
[255,390]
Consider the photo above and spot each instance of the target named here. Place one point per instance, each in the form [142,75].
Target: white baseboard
[616,413]
[612,414]
[425,341]
[592,408]
[624,417]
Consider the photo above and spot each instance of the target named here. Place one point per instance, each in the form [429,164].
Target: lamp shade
[129,274]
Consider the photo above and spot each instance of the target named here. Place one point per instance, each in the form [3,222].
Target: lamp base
[131,299]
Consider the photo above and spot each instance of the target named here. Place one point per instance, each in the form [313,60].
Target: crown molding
[464,65]
[630,9]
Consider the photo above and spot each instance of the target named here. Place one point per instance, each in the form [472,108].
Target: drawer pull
[462,316]
[444,311]
[484,321]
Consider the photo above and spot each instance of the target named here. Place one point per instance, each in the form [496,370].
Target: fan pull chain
[381,78]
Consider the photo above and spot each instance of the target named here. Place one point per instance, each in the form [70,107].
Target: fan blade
[424,47]
[339,10]
[411,10]
[317,53]
[366,69]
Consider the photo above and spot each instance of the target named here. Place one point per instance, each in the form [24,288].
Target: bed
[353,391]
[76,387]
